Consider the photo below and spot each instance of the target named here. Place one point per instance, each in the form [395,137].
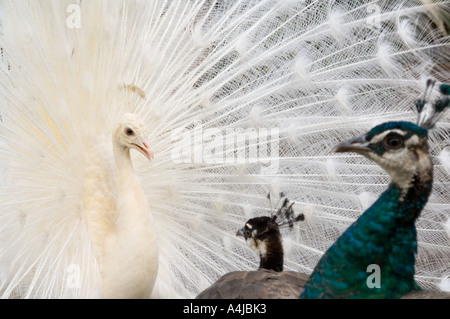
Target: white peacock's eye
[128,131]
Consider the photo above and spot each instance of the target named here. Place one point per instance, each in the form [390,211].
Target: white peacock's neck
[124,166]
[131,200]
[131,255]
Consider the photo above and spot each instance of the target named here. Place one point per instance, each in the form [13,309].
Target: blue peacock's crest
[428,113]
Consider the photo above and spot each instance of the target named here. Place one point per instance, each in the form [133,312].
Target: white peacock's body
[239,97]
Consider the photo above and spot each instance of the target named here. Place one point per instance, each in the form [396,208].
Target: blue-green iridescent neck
[401,125]
[385,235]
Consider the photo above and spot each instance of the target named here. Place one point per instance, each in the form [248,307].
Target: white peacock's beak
[144,148]
[358,145]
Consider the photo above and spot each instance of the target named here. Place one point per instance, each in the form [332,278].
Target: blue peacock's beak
[358,145]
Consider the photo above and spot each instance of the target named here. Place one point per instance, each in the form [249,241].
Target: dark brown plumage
[259,284]
[427,295]
[262,234]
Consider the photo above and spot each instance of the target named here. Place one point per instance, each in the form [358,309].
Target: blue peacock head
[401,148]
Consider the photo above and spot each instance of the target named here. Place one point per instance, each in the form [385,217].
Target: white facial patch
[257,246]
[380,137]
[412,141]
[403,163]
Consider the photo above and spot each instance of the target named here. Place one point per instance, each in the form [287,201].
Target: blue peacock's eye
[393,141]
[129,131]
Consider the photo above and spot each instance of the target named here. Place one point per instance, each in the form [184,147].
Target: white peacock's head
[131,133]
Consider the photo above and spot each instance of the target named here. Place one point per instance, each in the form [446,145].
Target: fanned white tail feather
[287,79]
